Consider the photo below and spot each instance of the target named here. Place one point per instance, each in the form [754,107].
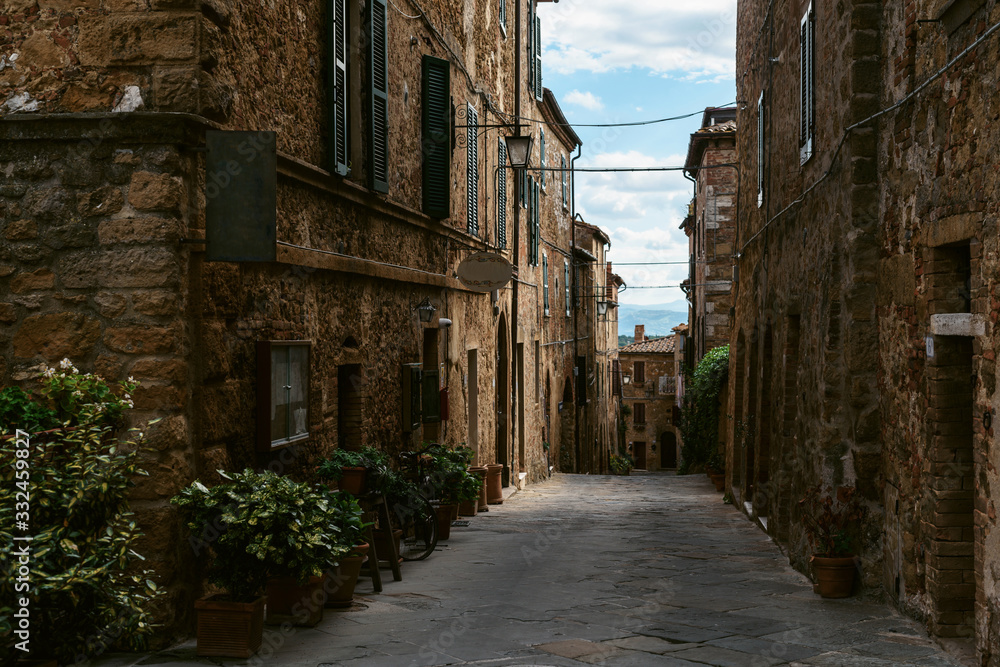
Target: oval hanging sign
[484,271]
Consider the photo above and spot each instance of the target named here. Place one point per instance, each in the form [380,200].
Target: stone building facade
[865,338]
[142,236]
[711,231]
[651,375]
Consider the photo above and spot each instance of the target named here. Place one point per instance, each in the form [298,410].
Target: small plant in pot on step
[830,520]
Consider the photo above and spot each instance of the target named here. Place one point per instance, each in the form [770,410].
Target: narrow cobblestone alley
[640,570]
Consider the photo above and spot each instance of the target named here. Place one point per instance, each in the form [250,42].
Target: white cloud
[586,100]
[642,212]
[686,41]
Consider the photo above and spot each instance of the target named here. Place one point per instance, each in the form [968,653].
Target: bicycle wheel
[419,523]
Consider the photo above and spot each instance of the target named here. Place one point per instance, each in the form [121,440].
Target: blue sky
[615,61]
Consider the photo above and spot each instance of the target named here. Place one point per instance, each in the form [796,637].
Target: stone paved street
[640,570]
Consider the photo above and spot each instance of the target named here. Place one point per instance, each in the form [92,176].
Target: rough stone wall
[806,276]
[715,225]
[939,250]
[93,270]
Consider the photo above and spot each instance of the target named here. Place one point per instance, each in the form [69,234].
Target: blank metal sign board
[241,175]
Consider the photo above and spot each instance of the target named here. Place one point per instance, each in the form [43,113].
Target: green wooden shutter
[531,221]
[760,149]
[337,85]
[472,170]
[531,47]
[562,165]
[807,108]
[536,216]
[503,15]
[538,59]
[541,155]
[502,194]
[379,77]
[545,282]
[566,280]
[435,143]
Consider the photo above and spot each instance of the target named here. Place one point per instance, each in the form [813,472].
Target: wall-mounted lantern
[425,309]
[518,150]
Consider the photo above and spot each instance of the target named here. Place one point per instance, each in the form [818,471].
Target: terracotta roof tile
[655,346]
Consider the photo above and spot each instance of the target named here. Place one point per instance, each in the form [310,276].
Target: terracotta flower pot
[494,490]
[291,602]
[229,629]
[341,580]
[444,520]
[834,576]
[352,481]
[468,508]
[719,479]
[480,471]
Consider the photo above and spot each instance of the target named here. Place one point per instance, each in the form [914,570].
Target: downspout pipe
[576,306]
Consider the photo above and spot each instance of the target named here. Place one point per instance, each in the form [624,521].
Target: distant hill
[658,319]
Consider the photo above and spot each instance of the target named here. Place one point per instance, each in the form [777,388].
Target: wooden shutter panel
[472,171]
[538,59]
[562,165]
[435,143]
[537,217]
[760,149]
[503,15]
[531,47]
[566,281]
[545,282]
[379,77]
[337,85]
[807,111]
[502,194]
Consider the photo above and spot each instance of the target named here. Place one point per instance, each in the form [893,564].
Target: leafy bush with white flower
[67,397]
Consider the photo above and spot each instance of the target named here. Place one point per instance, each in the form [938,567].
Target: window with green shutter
[379,79]
[565,190]
[532,230]
[535,218]
[531,46]
[336,85]
[807,65]
[435,146]
[472,171]
[541,154]
[545,283]
[502,194]
[566,280]
[538,58]
[761,153]
[503,16]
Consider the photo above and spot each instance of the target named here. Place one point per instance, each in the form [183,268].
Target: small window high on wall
[282,393]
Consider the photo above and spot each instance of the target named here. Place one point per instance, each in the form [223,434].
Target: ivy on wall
[700,412]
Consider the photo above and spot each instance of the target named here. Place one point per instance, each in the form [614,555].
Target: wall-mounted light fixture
[425,309]
[518,150]
[602,308]
[626,378]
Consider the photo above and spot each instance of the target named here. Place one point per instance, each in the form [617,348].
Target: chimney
[640,333]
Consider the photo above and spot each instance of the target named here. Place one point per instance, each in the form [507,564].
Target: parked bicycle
[412,508]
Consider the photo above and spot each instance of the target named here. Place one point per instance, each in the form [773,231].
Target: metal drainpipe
[576,309]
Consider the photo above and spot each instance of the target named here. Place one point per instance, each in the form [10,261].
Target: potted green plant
[621,464]
[342,576]
[829,520]
[345,467]
[259,527]
[716,466]
[450,483]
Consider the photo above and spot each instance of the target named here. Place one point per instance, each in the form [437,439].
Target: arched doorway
[668,451]
[502,399]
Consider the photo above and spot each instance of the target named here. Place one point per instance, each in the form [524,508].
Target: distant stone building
[864,347]
[711,230]
[650,374]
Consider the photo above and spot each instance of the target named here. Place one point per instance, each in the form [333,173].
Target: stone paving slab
[644,570]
